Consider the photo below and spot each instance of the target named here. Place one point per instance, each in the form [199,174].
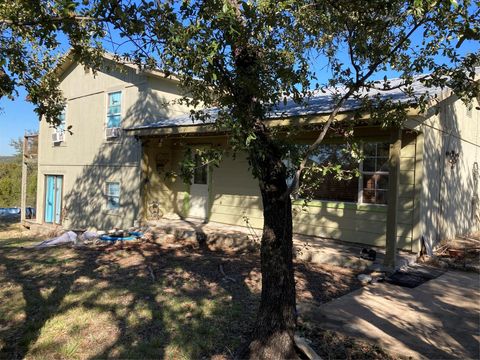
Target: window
[59,131]
[332,186]
[200,172]
[114,111]
[371,187]
[61,126]
[374,169]
[113,195]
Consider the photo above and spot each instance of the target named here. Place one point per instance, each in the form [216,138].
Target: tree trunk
[273,336]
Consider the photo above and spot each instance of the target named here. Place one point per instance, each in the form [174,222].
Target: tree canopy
[242,58]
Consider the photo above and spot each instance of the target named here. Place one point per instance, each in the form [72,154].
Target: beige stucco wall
[235,197]
[448,205]
[86,159]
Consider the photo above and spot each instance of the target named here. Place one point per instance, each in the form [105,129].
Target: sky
[18,116]
[15,117]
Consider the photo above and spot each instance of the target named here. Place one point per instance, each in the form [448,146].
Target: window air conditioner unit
[111,133]
[58,137]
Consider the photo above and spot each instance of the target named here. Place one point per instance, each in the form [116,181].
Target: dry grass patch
[142,300]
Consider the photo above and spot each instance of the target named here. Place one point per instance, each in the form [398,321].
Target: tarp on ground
[68,237]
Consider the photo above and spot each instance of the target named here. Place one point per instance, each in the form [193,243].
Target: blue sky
[15,117]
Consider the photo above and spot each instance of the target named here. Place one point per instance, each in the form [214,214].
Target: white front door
[199,191]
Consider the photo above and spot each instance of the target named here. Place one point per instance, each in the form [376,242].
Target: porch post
[23,198]
[142,211]
[392,198]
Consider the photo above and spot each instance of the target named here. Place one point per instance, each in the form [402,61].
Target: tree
[244,57]
[31,35]
[11,172]
[10,187]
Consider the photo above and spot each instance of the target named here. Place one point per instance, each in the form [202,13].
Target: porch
[379,210]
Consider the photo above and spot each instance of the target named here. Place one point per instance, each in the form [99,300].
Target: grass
[143,300]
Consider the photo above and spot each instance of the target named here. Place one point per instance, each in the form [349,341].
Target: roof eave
[202,129]
[68,59]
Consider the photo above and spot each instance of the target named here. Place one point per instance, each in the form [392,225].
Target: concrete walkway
[439,319]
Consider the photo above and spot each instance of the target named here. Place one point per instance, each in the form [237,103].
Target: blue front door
[53,199]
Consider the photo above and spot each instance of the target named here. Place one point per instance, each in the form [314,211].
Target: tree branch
[352,59]
[359,83]
[42,20]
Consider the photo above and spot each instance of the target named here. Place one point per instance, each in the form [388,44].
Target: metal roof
[321,102]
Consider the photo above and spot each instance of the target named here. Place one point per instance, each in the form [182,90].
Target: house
[129,134]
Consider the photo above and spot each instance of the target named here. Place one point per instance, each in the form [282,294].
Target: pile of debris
[86,237]
[462,253]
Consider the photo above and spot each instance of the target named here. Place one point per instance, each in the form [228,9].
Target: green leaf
[250,138]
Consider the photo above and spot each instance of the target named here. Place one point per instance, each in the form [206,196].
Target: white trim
[58,135]
[361,177]
[360,182]
[107,105]
[107,195]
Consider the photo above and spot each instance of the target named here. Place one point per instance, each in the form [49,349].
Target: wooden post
[23,198]
[144,179]
[392,212]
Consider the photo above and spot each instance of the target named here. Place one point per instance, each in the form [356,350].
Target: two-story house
[129,134]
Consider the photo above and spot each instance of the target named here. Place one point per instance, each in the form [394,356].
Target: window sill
[59,144]
[343,205]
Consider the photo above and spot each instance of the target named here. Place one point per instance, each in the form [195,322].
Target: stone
[364,278]
[169,238]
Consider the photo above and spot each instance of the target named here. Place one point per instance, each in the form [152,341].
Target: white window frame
[61,130]
[108,107]
[362,178]
[108,195]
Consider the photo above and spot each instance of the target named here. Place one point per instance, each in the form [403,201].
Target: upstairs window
[374,169]
[61,126]
[114,111]
[113,195]
[58,134]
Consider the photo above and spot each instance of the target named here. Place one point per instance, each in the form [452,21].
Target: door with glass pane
[199,191]
[53,199]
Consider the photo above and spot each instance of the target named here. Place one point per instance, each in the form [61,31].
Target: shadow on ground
[139,300]
[436,320]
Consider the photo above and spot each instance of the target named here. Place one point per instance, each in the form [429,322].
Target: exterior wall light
[452,157]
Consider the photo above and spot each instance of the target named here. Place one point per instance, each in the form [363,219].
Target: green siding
[234,196]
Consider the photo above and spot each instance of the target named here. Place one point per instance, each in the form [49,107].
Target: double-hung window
[61,125]
[113,195]
[374,169]
[59,132]
[114,111]
[344,184]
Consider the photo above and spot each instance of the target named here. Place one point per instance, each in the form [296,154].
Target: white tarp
[68,237]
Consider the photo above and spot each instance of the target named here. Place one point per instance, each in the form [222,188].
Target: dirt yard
[146,300]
